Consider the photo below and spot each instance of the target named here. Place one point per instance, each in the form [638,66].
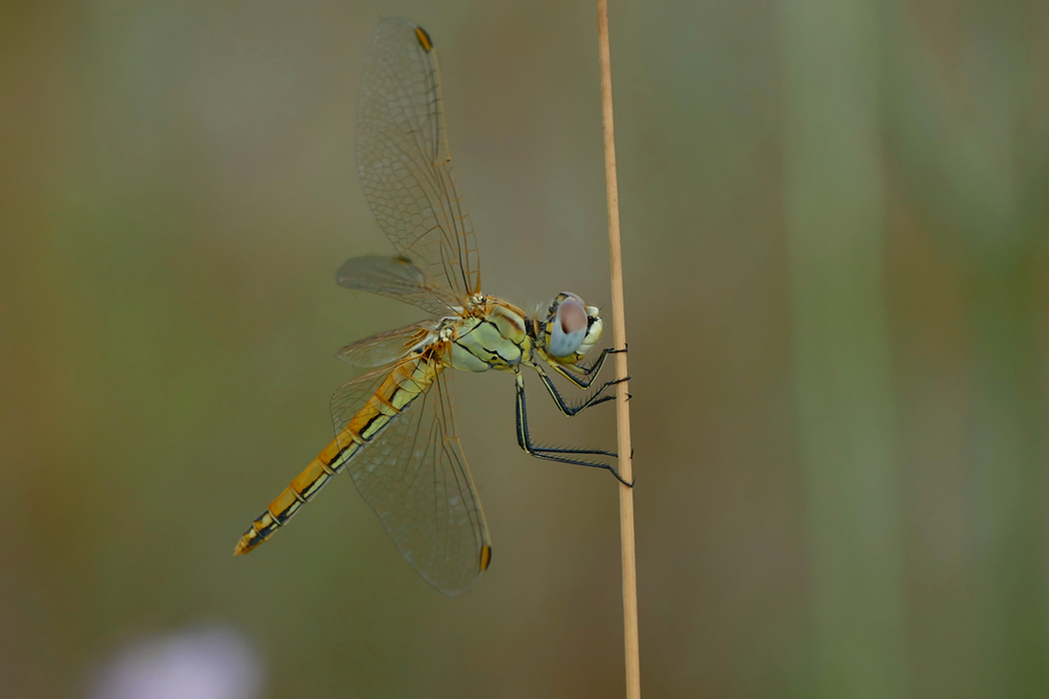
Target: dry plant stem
[626,495]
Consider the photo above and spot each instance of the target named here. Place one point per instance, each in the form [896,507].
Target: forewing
[403,160]
[387,347]
[399,278]
[414,475]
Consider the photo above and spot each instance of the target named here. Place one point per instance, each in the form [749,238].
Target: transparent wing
[414,475]
[389,346]
[403,161]
[399,278]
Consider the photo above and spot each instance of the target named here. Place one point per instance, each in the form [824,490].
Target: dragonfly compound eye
[567,326]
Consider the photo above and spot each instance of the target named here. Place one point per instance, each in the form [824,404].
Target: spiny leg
[600,361]
[524,434]
[594,398]
[589,372]
[524,440]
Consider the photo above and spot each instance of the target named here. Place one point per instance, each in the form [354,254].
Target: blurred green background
[835,218]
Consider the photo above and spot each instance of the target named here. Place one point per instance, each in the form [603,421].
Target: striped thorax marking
[492,337]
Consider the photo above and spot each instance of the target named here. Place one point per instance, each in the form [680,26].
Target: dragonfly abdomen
[398,390]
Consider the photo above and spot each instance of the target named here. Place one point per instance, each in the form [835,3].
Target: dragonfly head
[571,329]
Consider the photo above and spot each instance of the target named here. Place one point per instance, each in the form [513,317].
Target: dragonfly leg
[524,439]
[594,398]
[589,373]
[600,361]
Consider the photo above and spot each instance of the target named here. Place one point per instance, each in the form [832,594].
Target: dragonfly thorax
[491,335]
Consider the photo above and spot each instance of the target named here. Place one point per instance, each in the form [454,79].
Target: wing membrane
[396,277]
[414,476]
[387,347]
[403,161]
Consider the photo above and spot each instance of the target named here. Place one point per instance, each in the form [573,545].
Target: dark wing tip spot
[424,39]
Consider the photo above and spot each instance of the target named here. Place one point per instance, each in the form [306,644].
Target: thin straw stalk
[626,494]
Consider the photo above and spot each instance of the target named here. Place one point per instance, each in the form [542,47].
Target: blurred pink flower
[213,662]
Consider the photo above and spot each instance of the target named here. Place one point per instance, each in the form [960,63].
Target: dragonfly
[395,429]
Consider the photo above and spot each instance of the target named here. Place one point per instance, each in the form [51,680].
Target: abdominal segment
[398,390]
